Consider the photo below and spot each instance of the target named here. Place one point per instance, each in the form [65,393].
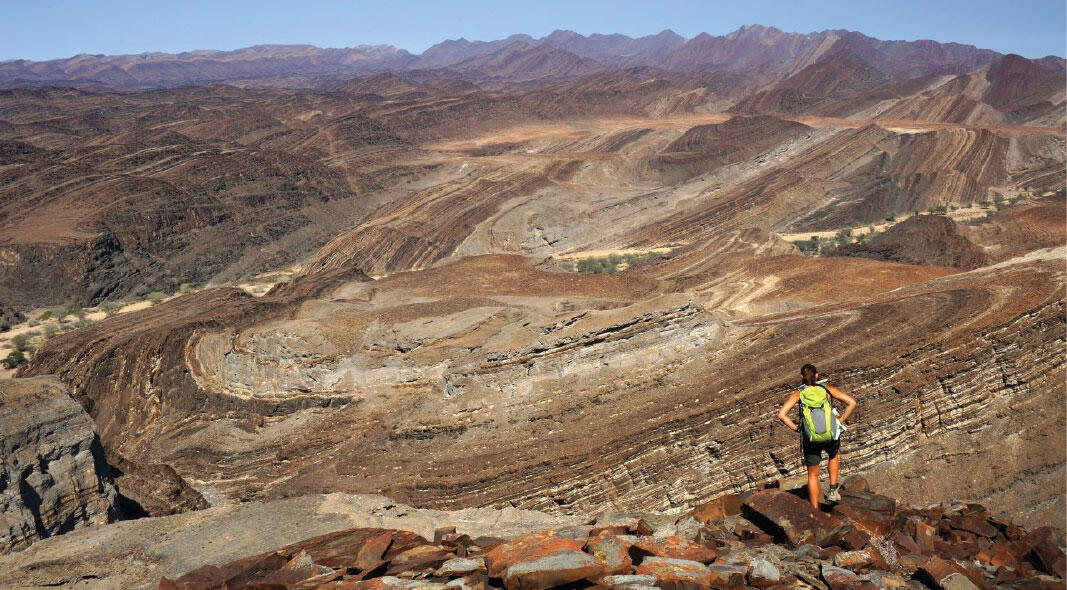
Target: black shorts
[813,450]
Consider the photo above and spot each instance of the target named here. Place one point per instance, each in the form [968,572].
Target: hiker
[816,413]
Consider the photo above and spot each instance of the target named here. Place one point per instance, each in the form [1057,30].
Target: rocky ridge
[53,476]
[764,539]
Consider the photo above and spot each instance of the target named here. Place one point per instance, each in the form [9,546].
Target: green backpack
[817,415]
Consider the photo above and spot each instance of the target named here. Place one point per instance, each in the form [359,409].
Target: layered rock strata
[54,478]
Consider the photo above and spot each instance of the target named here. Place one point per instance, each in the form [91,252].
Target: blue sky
[48,29]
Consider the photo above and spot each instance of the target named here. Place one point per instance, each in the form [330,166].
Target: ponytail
[808,374]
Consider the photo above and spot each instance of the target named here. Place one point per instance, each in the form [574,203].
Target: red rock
[906,543]
[613,551]
[856,482]
[236,573]
[373,549]
[727,577]
[925,535]
[676,574]
[718,509]
[1046,554]
[973,525]
[796,519]
[558,568]
[940,572]
[300,568]
[998,555]
[525,549]
[870,521]
[674,548]
[868,501]
[855,539]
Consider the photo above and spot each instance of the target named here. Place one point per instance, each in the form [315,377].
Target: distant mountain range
[559,56]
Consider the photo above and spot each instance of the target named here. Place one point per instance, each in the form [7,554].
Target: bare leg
[813,485]
[834,466]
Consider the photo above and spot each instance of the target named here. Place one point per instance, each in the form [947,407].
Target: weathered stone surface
[676,574]
[946,574]
[718,508]
[613,551]
[462,566]
[53,476]
[1046,552]
[763,573]
[856,482]
[796,519]
[727,577]
[527,548]
[973,525]
[674,548]
[842,579]
[629,582]
[560,567]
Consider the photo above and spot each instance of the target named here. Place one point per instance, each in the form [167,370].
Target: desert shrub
[891,218]
[14,359]
[110,308]
[155,297]
[50,330]
[45,315]
[20,342]
[939,210]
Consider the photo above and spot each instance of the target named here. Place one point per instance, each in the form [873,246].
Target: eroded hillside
[440,342]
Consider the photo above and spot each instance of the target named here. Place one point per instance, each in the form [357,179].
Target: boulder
[1046,553]
[461,566]
[526,548]
[842,579]
[795,519]
[947,575]
[613,551]
[718,509]
[672,547]
[727,577]
[558,568]
[763,574]
[856,482]
[870,521]
[676,574]
[973,525]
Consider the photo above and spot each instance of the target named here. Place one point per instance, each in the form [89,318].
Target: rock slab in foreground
[51,479]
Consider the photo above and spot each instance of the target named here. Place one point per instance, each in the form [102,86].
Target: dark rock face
[999,556]
[923,239]
[53,478]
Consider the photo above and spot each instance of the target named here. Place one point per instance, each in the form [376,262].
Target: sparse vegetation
[110,308]
[45,315]
[155,297]
[14,359]
[610,264]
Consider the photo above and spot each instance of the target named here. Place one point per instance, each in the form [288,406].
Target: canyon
[539,276]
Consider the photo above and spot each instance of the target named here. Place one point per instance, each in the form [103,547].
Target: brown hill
[923,239]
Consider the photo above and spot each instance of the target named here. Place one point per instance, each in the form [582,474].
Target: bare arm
[783,413]
[849,401]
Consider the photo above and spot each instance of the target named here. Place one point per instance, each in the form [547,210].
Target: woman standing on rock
[820,433]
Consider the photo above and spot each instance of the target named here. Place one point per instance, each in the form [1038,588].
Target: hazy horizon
[42,32]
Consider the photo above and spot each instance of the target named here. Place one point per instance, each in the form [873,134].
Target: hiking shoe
[833,494]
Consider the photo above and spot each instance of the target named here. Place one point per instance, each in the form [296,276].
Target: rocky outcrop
[781,542]
[54,478]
